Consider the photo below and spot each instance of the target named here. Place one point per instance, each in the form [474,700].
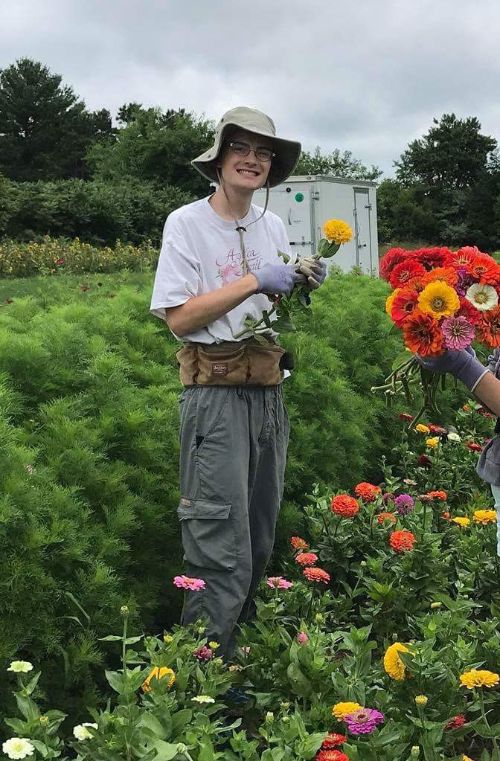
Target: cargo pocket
[207,534]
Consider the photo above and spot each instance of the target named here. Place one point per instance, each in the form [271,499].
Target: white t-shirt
[201,252]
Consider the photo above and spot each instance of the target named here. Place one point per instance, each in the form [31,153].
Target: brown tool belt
[234,363]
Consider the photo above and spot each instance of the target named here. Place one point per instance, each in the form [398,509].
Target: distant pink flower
[185,582]
[278,582]
[204,653]
[302,638]
[458,332]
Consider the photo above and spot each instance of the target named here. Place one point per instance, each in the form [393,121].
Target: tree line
[68,171]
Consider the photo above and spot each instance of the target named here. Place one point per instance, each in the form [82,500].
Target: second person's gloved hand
[462,364]
[278,278]
[313,269]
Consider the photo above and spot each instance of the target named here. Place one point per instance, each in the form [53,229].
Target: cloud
[366,77]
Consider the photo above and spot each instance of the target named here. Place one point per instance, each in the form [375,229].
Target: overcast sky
[361,75]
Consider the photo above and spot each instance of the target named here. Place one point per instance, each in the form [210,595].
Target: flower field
[378,640]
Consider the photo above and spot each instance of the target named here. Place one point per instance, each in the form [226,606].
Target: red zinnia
[433,428]
[474,447]
[333,739]
[404,272]
[431,258]
[390,259]
[465,256]
[488,328]
[456,722]
[298,543]
[306,558]
[403,305]
[405,416]
[422,334]
[345,506]
[424,461]
[483,268]
[331,755]
[316,574]
[469,311]
[367,492]
[402,541]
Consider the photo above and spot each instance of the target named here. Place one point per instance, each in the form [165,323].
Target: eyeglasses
[243,149]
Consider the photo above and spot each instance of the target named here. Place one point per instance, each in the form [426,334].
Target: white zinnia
[203,699]
[18,747]
[81,732]
[483,297]
[453,436]
[20,667]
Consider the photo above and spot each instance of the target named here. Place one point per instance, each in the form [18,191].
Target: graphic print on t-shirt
[230,266]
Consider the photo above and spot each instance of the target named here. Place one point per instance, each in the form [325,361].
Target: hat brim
[283,163]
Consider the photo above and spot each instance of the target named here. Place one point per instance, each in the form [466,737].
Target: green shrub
[96,211]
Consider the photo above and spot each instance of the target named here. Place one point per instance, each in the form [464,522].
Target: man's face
[249,171]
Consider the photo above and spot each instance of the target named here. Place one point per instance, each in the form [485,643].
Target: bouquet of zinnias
[441,300]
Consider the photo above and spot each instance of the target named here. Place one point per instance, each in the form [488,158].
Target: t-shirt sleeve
[177,276]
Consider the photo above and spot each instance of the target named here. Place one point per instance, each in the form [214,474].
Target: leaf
[133,640]
[115,680]
[151,723]
[311,744]
[27,707]
[19,727]
[165,751]
[75,602]
[32,683]
[299,682]
[180,719]
[111,638]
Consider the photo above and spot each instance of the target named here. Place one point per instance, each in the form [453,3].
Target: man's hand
[277,278]
[462,364]
[313,269]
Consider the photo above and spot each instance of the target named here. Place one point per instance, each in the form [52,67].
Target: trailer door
[362,232]
[294,205]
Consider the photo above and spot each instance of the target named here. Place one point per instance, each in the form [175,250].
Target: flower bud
[319,618]
[421,700]
[284,706]
[44,720]
[181,748]
[435,605]
[269,717]
[124,611]
[415,751]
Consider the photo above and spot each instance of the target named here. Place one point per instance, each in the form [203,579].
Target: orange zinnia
[488,329]
[367,492]
[402,541]
[298,543]
[448,274]
[483,267]
[438,494]
[345,506]
[316,574]
[422,334]
[306,558]
[381,517]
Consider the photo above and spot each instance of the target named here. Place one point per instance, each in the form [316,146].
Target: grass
[59,288]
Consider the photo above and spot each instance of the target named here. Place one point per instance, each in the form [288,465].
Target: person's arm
[488,392]
[199,311]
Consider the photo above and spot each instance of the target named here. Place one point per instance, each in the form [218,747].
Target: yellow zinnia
[475,678]
[461,520]
[484,516]
[393,664]
[161,672]
[421,700]
[421,428]
[439,299]
[339,710]
[466,758]
[433,442]
[390,300]
[337,231]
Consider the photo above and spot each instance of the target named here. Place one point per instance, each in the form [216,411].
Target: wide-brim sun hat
[287,152]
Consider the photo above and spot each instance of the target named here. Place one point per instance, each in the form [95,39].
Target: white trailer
[305,202]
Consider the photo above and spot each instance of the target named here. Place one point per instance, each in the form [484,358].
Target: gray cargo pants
[232,464]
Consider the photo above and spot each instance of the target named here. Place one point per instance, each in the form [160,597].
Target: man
[218,261]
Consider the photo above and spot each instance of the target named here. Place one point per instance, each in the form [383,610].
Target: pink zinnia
[204,653]
[278,582]
[363,721]
[185,582]
[302,638]
[458,332]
